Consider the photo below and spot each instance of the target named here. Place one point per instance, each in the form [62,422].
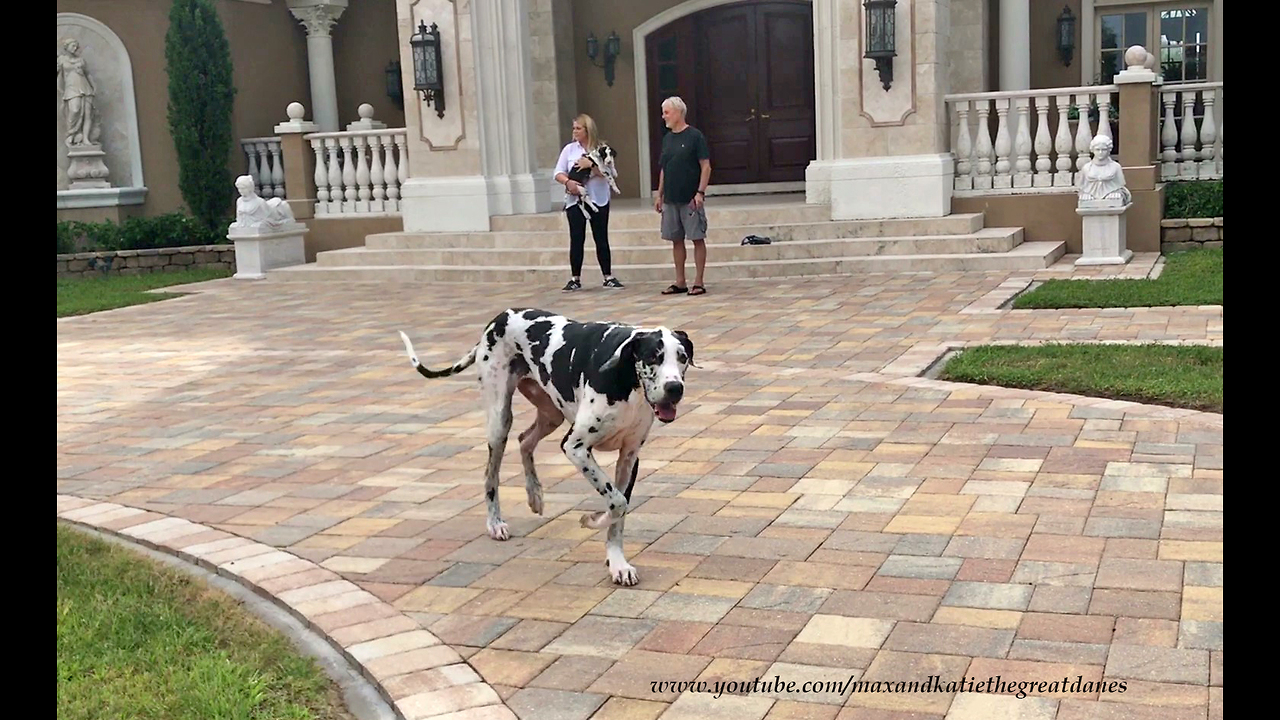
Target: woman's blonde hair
[589,126]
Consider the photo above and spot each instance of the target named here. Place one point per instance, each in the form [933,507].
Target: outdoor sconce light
[881,33]
[395,90]
[612,48]
[1066,35]
[426,65]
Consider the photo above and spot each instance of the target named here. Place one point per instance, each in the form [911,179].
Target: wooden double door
[745,71]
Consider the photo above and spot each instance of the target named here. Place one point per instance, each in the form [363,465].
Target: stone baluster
[964,148]
[335,176]
[402,162]
[1169,136]
[321,177]
[376,174]
[392,172]
[984,151]
[1104,114]
[1004,146]
[1084,134]
[363,177]
[1208,136]
[1022,144]
[351,194]
[277,168]
[1043,145]
[1188,166]
[1062,143]
[266,182]
[251,155]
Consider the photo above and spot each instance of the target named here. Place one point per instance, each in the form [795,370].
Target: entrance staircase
[534,248]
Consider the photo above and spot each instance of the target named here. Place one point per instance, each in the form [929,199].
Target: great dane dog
[608,380]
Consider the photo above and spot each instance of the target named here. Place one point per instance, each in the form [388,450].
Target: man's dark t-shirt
[679,161]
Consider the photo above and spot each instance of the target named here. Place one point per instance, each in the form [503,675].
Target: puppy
[602,157]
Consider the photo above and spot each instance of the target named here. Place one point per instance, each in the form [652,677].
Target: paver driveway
[816,513]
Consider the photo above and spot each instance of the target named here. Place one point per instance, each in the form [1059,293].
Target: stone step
[625,214]
[1026,256]
[558,234]
[655,251]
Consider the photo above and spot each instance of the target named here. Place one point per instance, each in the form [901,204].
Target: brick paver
[818,511]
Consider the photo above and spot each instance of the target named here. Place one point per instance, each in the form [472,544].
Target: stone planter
[1190,233]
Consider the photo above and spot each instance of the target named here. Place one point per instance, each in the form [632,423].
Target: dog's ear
[683,337]
[625,353]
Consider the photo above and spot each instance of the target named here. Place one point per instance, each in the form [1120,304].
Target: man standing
[684,167]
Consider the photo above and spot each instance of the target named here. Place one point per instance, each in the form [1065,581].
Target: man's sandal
[697,290]
[674,290]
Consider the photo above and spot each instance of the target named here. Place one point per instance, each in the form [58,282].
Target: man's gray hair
[676,103]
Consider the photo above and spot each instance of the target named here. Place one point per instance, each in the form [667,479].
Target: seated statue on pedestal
[1102,178]
[255,213]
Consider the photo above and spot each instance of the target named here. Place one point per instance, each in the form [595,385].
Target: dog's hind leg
[620,570]
[497,386]
[548,419]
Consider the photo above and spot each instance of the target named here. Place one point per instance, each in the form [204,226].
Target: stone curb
[386,646]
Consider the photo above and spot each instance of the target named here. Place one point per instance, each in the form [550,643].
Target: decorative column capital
[317,16]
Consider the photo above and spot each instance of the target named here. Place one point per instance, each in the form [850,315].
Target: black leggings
[578,238]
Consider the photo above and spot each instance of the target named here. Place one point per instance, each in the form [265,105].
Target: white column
[504,73]
[1015,45]
[318,17]
[826,77]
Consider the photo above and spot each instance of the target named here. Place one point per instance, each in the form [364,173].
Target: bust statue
[1102,177]
[77,94]
[256,213]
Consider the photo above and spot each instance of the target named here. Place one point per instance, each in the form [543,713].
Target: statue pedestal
[1104,232]
[88,170]
[261,249]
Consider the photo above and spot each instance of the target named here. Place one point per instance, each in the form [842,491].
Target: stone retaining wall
[1190,234]
[150,260]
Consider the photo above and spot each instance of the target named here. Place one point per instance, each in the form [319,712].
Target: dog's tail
[426,372]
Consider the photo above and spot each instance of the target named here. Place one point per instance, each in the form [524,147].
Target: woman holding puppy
[597,189]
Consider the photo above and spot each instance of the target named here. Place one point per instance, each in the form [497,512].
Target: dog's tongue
[665,412]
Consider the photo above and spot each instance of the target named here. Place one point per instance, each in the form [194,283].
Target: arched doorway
[746,71]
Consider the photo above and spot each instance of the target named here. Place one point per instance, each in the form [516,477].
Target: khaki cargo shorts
[682,222]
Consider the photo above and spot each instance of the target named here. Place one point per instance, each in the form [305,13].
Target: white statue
[1102,178]
[253,212]
[77,93]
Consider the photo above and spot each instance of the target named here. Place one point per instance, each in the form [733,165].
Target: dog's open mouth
[666,411]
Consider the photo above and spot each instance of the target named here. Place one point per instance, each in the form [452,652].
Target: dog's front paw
[596,520]
[624,574]
[535,498]
[499,530]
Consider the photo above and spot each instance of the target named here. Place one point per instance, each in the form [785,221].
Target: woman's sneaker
[572,285]
[613,283]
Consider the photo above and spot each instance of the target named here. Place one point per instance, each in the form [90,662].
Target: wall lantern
[395,90]
[881,34]
[427,73]
[612,48]
[1066,35]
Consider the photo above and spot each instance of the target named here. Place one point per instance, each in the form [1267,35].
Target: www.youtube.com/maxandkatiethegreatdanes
[932,684]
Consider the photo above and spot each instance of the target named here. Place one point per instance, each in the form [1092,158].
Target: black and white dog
[602,157]
[607,379]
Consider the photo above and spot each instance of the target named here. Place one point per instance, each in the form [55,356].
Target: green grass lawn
[141,641]
[1193,277]
[1177,376]
[80,296]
